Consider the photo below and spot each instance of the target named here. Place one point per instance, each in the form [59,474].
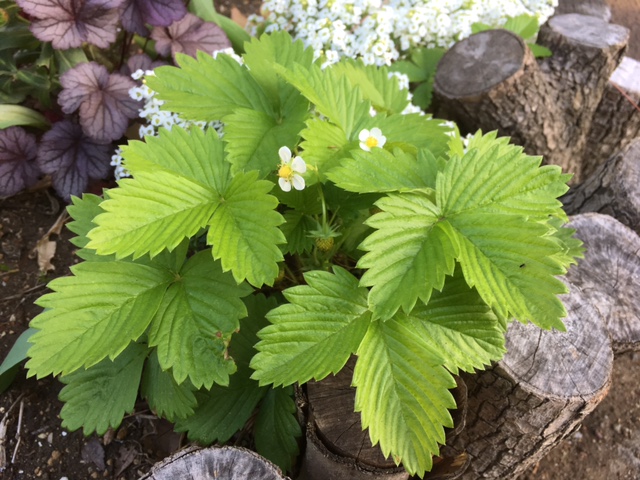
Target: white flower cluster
[382,31]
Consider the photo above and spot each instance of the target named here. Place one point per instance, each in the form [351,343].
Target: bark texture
[547,383]
[595,8]
[224,463]
[491,81]
[613,189]
[609,275]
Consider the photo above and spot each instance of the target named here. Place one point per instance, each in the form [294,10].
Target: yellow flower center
[285,171]
[371,142]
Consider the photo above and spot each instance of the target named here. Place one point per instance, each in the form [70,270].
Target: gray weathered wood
[221,463]
[537,395]
[595,8]
[609,275]
[491,81]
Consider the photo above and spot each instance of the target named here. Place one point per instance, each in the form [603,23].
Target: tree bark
[223,463]
[491,81]
[547,383]
[613,189]
[609,275]
[338,448]
[595,8]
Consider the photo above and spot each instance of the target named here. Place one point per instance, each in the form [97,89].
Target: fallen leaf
[238,17]
[46,250]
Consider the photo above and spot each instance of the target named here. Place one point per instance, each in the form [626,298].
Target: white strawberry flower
[371,138]
[290,170]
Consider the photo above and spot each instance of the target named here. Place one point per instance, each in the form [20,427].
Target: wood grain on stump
[220,463]
[491,81]
[594,8]
[609,275]
[547,383]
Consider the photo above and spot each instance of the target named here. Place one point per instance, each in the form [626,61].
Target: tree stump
[595,8]
[537,395]
[338,448]
[609,275]
[221,463]
[491,81]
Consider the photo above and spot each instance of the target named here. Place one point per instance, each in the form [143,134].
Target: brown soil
[36,447]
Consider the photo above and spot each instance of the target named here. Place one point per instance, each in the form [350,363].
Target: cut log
[338,448]
[490,81]
[546,384]
[595,8]
[219,463]
[613,189]
[609,275]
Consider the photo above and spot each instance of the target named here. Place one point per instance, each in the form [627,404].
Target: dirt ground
[34,446]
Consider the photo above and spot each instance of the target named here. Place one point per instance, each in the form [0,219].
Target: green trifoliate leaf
[277,429]
[512,264]
[315,334]
[409,254]
[93,314]
[207,88]
[165,397]
[375,83]
[333,97]
[402,393]
[97,398]
[198,314]
[380,171]
[244,230]
[179,181]
[459,327]
[324,146]
[414,132]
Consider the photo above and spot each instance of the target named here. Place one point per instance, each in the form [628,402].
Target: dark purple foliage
[140,61]
[188,36]
[70,23]
[18,169]
[72,158]
[159,13]
[103,99]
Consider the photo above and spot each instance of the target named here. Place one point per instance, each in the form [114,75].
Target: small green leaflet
[324,146]
[166,398]
[414,132]
[97,398]
[198,314]
[94,314]
[277,429]
[315,334]
[208,89]
[402,393]
[296,229]
[83,211]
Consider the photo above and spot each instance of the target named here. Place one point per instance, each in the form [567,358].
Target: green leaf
[165,397]
[460,328]
[571,248]
[244,230]
[401,392]
[314,334]
[97,399]
[375,83]
[296,229]
[205,9]
[12,115]
[324,146]
[524,25]
[381,171]
[480,27]
[423,64]
[93,314]
[414,132]
[409,254]
[67,59]
[277,429]
[18,353]
[198,314]
[179,179]
[333,96]
[423,94]
[208,89]
[539,51]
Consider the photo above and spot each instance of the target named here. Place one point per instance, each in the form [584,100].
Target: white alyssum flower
[371,138]
[290,170]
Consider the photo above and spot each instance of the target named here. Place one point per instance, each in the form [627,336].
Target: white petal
[298,165]
[365,147]
[285,184]
[381,141]
[364,134]
[285,154]
[298,182]
[375,132]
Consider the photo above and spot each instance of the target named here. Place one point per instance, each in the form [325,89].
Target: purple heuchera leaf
[72,158]
[188,36]
[140,61]
[103,99]
[70,23]
[159,13]
[18,168]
